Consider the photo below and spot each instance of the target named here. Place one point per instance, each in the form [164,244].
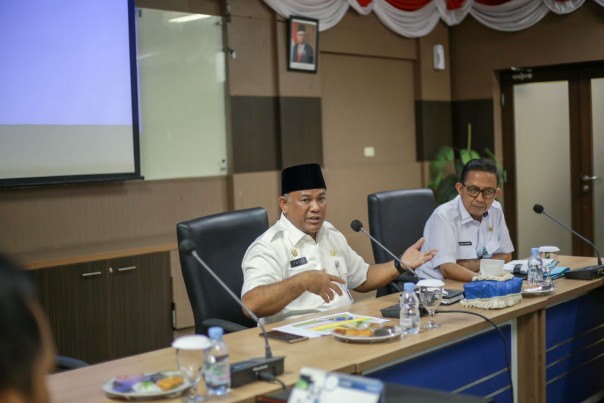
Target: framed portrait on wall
[303,44]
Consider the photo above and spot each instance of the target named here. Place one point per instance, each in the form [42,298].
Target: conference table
[541,334]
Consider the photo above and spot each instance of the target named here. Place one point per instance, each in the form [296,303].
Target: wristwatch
[400,268]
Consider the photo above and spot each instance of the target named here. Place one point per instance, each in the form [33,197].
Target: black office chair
[221,241]
[63,363]
[397,219]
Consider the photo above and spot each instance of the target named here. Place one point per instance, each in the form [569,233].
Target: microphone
[242,372]
[357,226]
[584,273]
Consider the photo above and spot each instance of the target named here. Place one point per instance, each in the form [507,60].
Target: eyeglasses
[474,191]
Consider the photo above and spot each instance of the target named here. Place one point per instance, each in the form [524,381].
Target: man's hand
[323,284]
[413,258]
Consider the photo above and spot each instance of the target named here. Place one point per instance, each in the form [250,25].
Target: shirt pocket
[492,247]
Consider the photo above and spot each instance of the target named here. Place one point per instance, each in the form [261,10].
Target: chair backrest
[221,241]
[397,219]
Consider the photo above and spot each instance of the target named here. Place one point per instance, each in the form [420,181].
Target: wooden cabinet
[107,309]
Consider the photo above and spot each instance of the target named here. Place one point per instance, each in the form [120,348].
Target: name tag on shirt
[298,262]
[468,243]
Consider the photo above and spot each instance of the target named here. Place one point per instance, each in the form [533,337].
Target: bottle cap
[215,333]
[534,251]
[409,287]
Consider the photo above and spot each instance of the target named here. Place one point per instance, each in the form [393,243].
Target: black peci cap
[302,177]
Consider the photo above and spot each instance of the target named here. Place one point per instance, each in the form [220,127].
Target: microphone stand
[583,273]
[243,372]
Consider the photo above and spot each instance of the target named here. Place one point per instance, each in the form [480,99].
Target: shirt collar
[464,214]
[294,234]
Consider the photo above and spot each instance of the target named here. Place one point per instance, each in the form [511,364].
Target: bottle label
[407,322]
[217,374]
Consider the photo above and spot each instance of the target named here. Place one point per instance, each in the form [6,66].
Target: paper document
[325,324]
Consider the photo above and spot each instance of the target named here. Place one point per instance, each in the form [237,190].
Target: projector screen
[68,92]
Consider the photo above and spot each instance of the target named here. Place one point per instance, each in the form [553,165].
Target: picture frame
[303,44]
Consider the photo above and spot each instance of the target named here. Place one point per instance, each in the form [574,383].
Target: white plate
[536,292]
[111,392]
[365,339]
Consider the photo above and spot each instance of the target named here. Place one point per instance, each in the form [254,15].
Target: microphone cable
[268,377]
[505,344]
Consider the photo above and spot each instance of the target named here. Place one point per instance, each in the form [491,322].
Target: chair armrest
[229,327]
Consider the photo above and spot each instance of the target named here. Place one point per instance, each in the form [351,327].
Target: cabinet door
[140,304]
[75,300]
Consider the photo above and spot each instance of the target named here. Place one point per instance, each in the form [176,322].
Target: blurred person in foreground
[468,228]
[303,264]
[26,345]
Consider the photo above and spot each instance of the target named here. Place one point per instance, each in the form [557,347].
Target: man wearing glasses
[468,228]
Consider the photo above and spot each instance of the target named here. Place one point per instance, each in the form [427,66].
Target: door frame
[579,77]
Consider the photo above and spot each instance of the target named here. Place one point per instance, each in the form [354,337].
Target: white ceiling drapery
[417,18]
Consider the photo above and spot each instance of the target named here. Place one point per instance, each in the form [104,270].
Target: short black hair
[481,164]
[20,335]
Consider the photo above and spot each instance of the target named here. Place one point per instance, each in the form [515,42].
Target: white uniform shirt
[456,235]
[284,251]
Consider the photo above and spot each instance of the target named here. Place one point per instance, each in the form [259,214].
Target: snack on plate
[147,383]
[351,331]
[359,332]
[374,330]
[170,382]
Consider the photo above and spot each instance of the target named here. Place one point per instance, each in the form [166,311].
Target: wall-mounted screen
[68,92]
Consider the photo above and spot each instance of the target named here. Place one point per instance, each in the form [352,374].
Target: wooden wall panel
[367,102]
[433,85]
[253,72]
[434,128]
[301,131]
[258,189]
[478,113]
[366,35]
[255,132]
[42,218]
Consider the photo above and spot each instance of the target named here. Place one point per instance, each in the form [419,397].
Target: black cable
[268,377]
[505,344]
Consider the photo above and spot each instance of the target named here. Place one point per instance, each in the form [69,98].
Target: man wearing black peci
[468,228]
[303,264]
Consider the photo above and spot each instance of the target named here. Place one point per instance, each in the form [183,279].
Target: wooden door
[580,211]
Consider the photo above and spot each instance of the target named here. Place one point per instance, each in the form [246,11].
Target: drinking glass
[430,294]
[190,352]
[549,256]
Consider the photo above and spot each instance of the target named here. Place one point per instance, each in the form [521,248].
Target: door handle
[587,178]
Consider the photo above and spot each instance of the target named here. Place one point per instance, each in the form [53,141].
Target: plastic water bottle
[535,269]
[217,371]
[409,310]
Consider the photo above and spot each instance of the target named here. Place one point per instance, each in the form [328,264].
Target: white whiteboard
[182,95]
